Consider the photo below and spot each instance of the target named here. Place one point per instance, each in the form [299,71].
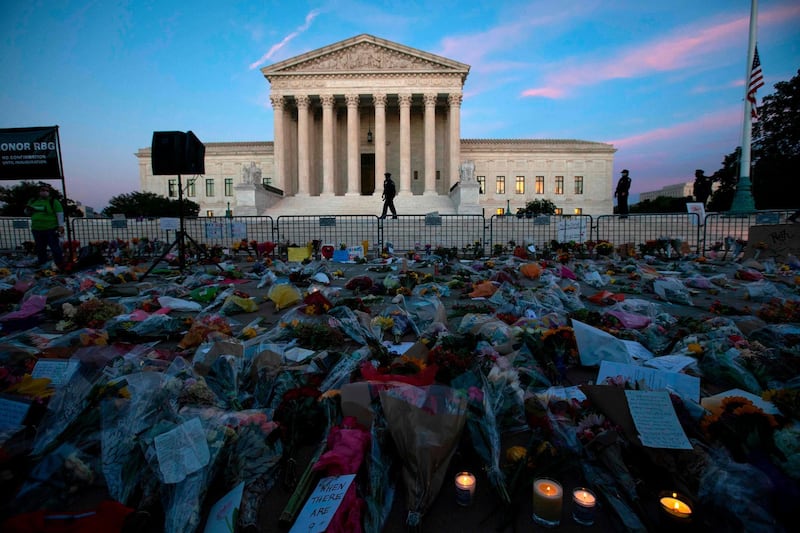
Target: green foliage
[14,199]
[148,204]
[661,204]
[538,207]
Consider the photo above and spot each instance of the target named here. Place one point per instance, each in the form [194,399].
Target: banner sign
[29,153]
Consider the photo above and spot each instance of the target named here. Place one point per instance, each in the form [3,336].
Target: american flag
[756,82]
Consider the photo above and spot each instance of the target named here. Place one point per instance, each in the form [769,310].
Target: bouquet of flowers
[425,424]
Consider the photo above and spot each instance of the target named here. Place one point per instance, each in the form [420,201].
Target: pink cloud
[686,47]
[277,47]
[720,120]
[545,92]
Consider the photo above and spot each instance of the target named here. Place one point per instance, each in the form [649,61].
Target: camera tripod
[180,240]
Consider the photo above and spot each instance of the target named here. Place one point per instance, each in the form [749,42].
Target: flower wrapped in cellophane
[425,424]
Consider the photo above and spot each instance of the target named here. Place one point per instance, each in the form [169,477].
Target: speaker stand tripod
[180,240]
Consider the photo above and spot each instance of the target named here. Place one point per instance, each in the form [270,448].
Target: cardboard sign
[699,209]
[776,241]
[322,504]
[572,230]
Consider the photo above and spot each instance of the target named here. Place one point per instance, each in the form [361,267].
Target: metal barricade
[14,232]
[641,228]
[718,227]
[335,230]
[508,231]
[457,233]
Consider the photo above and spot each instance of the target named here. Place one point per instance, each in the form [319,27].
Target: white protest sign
[182,451]
[322,504]
[222,517]
[572,230]
[169,223]
[58,371]
[12,413]
[655,420]
[654,379]
[697,208]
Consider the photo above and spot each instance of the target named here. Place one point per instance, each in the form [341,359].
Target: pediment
[364,53]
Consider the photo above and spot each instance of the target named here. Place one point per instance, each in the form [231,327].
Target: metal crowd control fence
[641,228]
[13,232]
[507,231]
[335,230]
[414,232]
[720,226]
[408,232]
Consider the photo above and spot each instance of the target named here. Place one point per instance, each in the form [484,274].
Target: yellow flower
[516,454]
[32,387]
[695,348]
[329,394]
[249,332]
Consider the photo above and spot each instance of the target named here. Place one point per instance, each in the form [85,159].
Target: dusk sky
[661,81]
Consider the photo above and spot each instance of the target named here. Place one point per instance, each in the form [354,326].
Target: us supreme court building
[347,113]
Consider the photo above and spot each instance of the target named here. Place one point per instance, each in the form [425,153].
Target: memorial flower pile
[402,390]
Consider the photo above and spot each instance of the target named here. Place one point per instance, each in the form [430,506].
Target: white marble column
[278,142]
[327,144]
[303,163]
[353,164]
[454,119]
[430,143]
[379,101]
[405,143]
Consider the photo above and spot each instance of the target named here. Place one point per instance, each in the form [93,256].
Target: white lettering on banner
[5,147]
[44,146]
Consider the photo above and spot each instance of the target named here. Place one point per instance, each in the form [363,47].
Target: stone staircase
[406,204]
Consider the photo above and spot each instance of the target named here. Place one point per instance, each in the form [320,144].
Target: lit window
[481,184]
[559,211]
[519,185]
[559,184]
[500,211]
[578,184]
[500,187]
[172,188]
[577,211]
[209,187]
[539,184]
[228,186]
[190,190]
[209,213]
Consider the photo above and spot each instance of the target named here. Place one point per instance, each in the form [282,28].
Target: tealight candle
[547,502]
[584,504]
[676,506]
[465,488]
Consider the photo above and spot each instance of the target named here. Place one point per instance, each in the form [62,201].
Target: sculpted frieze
[365,56]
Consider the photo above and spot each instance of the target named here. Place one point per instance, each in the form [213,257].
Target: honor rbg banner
[29,153]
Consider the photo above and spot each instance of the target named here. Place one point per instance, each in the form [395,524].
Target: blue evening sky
[662,81]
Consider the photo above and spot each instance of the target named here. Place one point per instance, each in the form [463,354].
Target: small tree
[538,207]
[148,204]
[14,199]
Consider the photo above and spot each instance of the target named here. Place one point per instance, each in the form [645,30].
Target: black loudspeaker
[176,152]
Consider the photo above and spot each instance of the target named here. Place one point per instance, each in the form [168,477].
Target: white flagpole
[743,199]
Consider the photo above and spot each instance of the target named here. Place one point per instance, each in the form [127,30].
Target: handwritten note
[322,504]
[222,517]
[182,451]
[58,371]
[12,413]
[653,379]
[655,420]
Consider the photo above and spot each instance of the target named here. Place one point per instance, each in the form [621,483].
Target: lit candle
[547,501]
[676,506]
[465,488]
[584,505]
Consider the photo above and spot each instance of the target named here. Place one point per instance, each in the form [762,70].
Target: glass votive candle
[548,499]
[675,507]
[465,488]
[584,505]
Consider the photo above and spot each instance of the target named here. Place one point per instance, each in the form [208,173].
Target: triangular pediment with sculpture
[365,53]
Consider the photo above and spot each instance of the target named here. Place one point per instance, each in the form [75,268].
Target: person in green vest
[47,223]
